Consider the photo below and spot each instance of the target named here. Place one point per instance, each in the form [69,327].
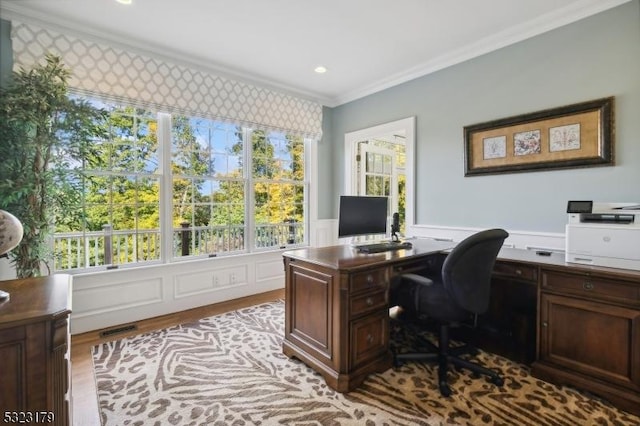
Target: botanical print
[495,147]
[564,138]
[525,143]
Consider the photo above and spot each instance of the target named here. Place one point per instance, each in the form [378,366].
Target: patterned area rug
[230,370]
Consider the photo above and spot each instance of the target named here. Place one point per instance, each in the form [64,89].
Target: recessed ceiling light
[125,1]
[320,69]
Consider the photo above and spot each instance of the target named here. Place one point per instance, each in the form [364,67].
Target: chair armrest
[418,279]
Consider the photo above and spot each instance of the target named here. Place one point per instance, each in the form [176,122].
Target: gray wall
[326,179]
[6,52]
[593,58]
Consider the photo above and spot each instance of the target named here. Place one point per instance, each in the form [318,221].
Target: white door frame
[351,139]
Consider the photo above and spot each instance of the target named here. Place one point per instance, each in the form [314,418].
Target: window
[209,184]
[278,189]
[232,190]
[120,219]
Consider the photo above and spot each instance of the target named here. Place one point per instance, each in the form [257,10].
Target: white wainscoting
[109,298]
[526,240]
[325,233]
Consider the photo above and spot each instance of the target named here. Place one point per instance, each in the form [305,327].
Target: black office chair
[459,293]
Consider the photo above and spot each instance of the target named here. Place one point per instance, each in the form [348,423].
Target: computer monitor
[362,215]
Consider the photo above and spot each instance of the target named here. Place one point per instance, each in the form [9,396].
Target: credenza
[577,325]
[589,332]
[35,385]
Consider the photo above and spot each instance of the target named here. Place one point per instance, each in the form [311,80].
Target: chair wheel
[445,390]
[498,381]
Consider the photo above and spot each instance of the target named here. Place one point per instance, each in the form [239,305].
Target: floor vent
[118,330]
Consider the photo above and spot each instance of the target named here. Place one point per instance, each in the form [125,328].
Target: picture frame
[577,135]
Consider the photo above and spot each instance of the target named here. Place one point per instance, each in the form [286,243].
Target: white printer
[603,234]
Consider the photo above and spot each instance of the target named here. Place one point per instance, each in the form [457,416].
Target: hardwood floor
[85,402]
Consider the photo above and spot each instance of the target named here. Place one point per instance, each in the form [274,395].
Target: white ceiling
[367,45]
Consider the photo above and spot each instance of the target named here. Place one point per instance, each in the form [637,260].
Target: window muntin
[279,185]
[208,187]
[227,196]
[215,215]
[120,219]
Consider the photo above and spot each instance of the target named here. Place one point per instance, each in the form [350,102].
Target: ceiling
[366,45]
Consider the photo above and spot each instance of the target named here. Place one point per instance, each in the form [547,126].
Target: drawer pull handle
[545,324]
[370,279]
[369,301]
[588,285]
[369,339]
[518,272]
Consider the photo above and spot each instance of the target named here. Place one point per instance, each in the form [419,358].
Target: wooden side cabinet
[35,350]
[337,321]
[589,334]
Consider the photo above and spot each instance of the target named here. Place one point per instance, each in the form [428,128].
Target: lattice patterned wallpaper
[118,74]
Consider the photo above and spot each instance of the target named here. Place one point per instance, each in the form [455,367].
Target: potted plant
[42,132]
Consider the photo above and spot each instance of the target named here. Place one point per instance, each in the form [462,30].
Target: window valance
[118,74]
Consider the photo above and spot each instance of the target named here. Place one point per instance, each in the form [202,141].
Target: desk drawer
[516,270]
[593,287]
[424,265]
[369,337]
[367,302]
[369,280]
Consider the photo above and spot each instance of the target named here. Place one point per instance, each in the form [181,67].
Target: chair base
[445,356]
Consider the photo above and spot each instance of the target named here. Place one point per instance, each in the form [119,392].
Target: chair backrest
[466,272]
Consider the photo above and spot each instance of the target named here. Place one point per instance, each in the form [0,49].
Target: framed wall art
[578,135]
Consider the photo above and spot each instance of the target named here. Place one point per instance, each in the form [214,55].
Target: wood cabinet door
[13,392]
[369,338]
[25,383]
[593,338]
[309,318]
[508,328]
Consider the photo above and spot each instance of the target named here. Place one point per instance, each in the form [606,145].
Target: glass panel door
[377,174]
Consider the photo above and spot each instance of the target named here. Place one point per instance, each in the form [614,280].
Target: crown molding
[539,25]
[571,13]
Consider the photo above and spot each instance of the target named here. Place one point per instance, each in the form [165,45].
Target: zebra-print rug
[229,370]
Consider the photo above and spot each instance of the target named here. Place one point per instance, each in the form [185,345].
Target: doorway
[379,161]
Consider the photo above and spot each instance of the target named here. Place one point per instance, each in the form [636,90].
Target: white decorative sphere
[10,232]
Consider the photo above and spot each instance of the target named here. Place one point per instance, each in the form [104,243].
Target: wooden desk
[34,349]
[574,324]
[337,308]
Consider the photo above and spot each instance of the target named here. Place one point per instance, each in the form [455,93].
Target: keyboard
[382,247]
